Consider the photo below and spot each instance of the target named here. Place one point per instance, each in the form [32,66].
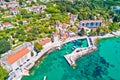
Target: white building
[55,37]
[47,16]
[43,7]
[18,59]
[19,63]
[90,23]
[7,25]
[73,19]
[24,22]
[14,11]
[11,4]
[38,8]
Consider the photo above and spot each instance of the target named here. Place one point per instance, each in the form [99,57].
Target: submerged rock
[97,71]
[102,60]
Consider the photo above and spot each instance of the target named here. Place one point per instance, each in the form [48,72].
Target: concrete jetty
[79,52]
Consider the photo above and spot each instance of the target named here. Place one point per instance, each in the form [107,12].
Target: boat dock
[79,52]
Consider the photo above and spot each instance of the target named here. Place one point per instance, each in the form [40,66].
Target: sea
[103,64]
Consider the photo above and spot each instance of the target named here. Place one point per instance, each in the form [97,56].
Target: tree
[38,46]
[23,11]
[52,10]
[4,46]
[82,31]
[114,26]
[30,37]
[3,73]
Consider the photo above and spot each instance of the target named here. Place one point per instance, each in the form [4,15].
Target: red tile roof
[45,41]
[6,23]
[65,25]
[54,34]
[13,58]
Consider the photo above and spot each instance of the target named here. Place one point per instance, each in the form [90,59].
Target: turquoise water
[100,65]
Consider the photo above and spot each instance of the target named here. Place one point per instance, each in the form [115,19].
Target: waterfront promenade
[55,44]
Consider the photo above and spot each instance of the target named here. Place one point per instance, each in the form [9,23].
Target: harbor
[79,52]
[86,65]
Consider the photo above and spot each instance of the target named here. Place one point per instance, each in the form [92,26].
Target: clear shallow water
[104,64]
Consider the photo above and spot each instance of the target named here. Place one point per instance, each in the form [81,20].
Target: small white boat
[58,47]
[44,78]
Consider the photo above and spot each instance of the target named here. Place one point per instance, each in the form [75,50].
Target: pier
[79,52]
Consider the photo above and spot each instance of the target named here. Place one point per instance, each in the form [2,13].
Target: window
[87,24]
[91,24]
[83,24]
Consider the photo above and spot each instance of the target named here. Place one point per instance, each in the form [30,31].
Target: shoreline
[115,34]
[76,38]
[43,56]
[40,59]
[51,47]
[54,48]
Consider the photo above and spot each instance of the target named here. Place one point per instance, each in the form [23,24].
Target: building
[65,35]
[62,29]
[11,4]
[14,11]
[18,63]
[3,5]
[64,25]
[73,19]
[7,25]
[29,9]
[45,41]
[90,23]
[71,34]
[55,37]
[47,16]
[24,22]
[43,7]
[1,2]
[61,25]
[58,24]
[17,60]
[38,8]
[29,2]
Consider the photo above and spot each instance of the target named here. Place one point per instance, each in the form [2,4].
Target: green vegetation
[37,46]
[87,9]
[114,26]
[3,73]
[37,27]
[106,29]
[4,46]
